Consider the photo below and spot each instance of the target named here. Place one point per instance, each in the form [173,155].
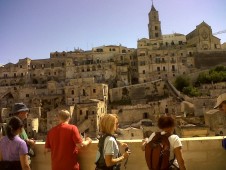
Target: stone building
[87,115]
[161,56]
[202,38]
[87,80]
[216,121]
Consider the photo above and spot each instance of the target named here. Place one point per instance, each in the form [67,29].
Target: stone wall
[199,153]
[208,59]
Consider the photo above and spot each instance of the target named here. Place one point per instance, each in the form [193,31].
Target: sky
[35,28]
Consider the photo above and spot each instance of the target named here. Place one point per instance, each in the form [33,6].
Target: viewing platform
[200,153]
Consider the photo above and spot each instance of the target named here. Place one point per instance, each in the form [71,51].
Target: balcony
[199,153]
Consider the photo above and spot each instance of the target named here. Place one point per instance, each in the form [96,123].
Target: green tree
[181,82]
[191,91]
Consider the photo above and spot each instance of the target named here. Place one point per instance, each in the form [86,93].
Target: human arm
[179,157]
[144,142]
[24,136]
[122,143]
[79,142]
[30,142]
[111,150]
[0,155]
[24,162]
[84,143]
[110,161]
[23,150]
[47,145]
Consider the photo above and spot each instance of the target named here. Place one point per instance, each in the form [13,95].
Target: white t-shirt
[110,148]
[174,141]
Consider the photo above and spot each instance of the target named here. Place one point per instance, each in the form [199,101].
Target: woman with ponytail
[13,150]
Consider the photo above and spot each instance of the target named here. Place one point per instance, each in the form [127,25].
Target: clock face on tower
[204,35]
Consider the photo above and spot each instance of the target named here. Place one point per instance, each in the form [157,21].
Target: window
[52,65]
[156,34]
[173,68]
[143,71]
[158,68]
[84,92]
[72,92]
[80,112]
[145,115]
[21,66]
[27,95]
[156,27]
[94,90]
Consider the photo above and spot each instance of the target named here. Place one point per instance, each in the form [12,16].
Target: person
[21,111]
[108,126]
[166,110]
[13,150]
[221,103]
[167,125]
[63,141]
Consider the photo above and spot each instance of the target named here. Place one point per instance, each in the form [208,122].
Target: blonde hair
[107,123]
[64,114]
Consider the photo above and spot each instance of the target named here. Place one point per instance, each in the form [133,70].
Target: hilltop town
[137,84]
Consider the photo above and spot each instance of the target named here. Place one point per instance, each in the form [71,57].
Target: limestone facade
[79,80]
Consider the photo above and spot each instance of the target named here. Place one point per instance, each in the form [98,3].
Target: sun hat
[220,99]
[19,107]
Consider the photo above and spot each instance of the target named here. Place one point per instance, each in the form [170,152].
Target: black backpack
[100,163]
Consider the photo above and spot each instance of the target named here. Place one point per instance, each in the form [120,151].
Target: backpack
[100,163]
[157,152]
[2,129]
[224,143]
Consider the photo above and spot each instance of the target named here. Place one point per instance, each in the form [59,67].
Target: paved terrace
[200,153]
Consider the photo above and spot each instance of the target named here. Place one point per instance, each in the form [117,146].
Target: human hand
[124,144]
[31,142]
[126,153]
[88,139]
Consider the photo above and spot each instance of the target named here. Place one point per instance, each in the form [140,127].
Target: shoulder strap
[101,148]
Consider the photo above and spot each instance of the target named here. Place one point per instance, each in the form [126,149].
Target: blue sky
[34,28]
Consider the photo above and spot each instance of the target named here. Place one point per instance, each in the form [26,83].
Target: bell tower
[154,25]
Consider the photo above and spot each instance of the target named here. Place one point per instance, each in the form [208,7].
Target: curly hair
[166,122]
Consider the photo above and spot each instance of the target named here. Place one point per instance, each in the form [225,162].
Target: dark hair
[166,122]
[14,124]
